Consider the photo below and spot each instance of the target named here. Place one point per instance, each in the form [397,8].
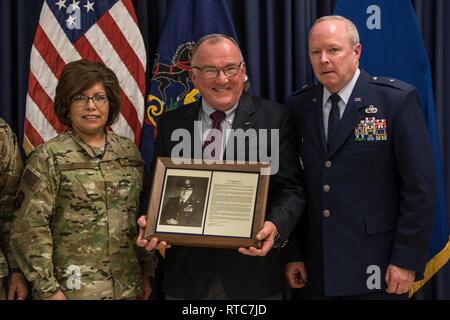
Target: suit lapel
[351,114]
[244,119]
[191,112]
[314,121]
[245,113]
[190,116]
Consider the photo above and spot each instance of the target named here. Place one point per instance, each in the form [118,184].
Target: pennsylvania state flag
[186,21]
[393,46]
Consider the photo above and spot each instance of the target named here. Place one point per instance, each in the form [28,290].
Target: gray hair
[213,39]
[352,31]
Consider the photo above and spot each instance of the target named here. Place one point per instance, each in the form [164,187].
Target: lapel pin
[357,99]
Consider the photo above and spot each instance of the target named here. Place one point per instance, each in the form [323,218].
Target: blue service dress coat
[371,197]
[189,271]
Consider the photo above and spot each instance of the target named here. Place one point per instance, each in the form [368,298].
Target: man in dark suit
[369,177]
[218,72]
[183,210]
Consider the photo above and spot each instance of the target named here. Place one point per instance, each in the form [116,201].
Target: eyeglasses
[212,73]
[99,99]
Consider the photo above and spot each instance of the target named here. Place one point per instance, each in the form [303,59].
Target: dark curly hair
[79,76]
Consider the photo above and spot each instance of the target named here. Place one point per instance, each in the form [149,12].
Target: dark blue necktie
[333,119]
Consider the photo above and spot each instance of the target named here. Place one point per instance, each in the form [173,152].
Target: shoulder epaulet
[306,87]
[120,140]
[56,141]
[40,150]
[3,123]
[124,146]
[391,82]
[4,127]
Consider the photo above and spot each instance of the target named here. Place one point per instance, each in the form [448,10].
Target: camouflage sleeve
[10,171]
[31,238]
[147,260]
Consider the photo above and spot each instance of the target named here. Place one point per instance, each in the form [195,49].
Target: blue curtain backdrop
[273,36]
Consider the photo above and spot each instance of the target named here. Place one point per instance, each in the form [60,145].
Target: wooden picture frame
[226,206]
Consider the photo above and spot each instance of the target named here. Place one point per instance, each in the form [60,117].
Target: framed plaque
[209,205]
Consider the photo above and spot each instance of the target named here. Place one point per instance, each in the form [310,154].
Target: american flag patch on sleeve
[30,179]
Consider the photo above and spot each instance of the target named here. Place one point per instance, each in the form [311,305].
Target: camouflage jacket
[76,226]
[10,171]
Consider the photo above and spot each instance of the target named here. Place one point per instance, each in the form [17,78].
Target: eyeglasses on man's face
[212,73]
[80,99]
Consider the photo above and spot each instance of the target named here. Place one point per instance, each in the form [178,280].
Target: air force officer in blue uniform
[368,172]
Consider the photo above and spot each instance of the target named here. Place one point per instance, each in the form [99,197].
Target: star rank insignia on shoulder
[306,87]
[391,82]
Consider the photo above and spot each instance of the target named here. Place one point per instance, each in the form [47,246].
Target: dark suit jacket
[189,270]
[380,195]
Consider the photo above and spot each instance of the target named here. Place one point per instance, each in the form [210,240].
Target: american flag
[101,30]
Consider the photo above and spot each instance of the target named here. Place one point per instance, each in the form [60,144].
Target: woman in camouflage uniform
[13,286]
[75,229]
